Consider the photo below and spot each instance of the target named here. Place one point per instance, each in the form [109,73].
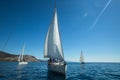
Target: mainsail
[53,47]
[82,58]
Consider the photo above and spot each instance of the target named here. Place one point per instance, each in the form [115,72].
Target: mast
[54,4]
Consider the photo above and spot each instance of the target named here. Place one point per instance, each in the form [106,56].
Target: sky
[92,26]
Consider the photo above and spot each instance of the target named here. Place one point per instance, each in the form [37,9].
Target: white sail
[20,58]
[53,48]
[22,52]
[82,58]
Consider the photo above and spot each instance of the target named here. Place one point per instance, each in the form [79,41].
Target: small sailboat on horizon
[53,48]
[21,57]
[82,58]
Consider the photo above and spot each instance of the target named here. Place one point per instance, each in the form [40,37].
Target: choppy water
[75,71]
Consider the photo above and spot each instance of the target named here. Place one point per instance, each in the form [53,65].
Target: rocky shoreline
[4,56]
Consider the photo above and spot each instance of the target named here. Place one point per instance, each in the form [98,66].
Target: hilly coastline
[4,56]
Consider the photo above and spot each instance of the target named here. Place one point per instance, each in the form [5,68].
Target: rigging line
[6,42]
[98,17]
[11,32]
[8,38]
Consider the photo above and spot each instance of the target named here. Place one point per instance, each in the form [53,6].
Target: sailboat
[82,58]
[20,58]
[53,48]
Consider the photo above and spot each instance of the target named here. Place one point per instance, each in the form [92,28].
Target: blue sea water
[75,71]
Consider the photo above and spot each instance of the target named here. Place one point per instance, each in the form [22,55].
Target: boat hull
[20,63]
[58,68]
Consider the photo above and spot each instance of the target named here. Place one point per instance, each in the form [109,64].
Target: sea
[75,71]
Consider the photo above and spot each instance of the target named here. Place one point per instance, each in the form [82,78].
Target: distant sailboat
[53,48]
[82,58]
[20,58]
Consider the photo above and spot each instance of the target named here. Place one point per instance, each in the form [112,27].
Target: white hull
[58,68]
[22,63]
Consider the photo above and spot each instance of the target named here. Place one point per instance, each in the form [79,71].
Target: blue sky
[28,21]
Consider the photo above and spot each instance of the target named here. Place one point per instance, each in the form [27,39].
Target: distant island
[4,56]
